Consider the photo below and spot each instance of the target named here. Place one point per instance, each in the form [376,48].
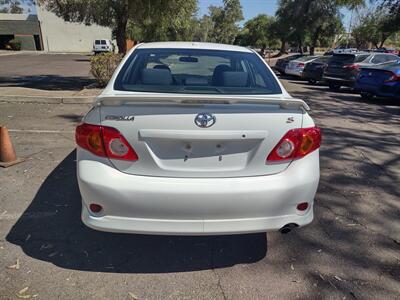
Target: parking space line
[40,131]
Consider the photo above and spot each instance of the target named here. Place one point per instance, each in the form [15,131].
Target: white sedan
[196,139]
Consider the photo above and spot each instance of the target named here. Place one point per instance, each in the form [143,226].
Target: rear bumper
[196,206]
[312,75]
[280,69]
[293,72]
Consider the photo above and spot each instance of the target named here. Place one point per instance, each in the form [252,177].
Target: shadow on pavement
[47,82]
[51,230]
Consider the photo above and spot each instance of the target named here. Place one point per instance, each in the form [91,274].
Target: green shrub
[102,66]
[14,45]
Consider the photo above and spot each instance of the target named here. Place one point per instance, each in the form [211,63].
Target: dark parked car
[343,69]
[381,81]
[314,70]
[281,63]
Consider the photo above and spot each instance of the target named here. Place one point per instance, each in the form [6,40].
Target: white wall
[61,36]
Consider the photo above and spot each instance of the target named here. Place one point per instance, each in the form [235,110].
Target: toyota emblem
[204,120]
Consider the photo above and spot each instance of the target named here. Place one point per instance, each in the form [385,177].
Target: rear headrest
[217,74]
[165,67]
[235,79]
[156,76]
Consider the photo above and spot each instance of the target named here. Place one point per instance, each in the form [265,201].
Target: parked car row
[370,74]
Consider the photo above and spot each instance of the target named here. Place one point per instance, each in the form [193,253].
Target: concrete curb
[48,100]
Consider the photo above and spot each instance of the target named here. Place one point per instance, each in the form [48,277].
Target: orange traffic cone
[7,152]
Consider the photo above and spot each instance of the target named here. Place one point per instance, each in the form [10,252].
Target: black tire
[312,81]
[366,96]
[334,86]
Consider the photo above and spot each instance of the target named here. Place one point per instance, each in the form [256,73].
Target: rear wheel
[334,86]
[366,95]
[312,81]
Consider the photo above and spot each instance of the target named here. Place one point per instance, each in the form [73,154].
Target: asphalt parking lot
[51,72]
[350,251]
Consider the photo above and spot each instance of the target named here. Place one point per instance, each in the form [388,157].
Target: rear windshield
[103,42]
[323,59]
[349,58]
[306,58]
[196,71]
[293,57]
[97,42]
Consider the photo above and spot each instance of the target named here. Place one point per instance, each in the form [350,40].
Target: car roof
[193,45]
[307,57]
[352,53]
[390,66]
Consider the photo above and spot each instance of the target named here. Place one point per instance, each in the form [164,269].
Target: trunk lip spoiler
[284,103]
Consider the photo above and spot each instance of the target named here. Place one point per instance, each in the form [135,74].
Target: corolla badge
[204,120]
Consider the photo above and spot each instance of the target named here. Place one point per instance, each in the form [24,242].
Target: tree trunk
[283,47]
[314,40]
[120,34]
[300,46]
[383,40]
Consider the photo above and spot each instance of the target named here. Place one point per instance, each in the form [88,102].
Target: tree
[11,6]
[224,21]
[375,27]
[162,20]
[393,8]
[156,19]
[203,29]
[257,32]
[302,20]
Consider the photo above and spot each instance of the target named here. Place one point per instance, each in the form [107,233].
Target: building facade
[61,36]
[48,32]
[22,28]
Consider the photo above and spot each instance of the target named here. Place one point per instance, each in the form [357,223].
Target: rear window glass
[323,59]
[292,57]
[103,42]
[306,58]
[196,71]
[97,42]
[360,58]
[345,58]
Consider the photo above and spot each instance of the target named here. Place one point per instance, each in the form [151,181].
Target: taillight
[89,137]
[116,145]
[352,67]
[393,77]
[104,141]
[296,143]
[300,65]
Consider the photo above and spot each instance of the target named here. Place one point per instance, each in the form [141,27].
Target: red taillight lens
[104,141]
[96,208]
[89,137]
[393,77]
[296,143]
[300,65]
[302,206]
[352,67]
[116,145]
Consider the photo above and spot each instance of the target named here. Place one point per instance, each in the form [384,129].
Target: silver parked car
[196,139]
[296,67]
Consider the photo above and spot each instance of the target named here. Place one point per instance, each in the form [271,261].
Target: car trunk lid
[163,132]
